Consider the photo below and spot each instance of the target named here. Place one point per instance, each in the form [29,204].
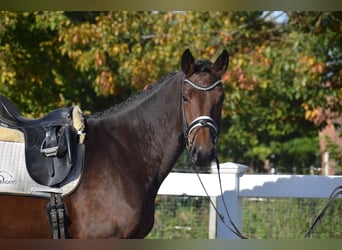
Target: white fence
[236,186]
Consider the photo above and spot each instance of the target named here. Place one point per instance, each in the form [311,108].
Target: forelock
[203,66]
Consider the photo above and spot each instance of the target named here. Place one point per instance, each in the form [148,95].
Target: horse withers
[129,151]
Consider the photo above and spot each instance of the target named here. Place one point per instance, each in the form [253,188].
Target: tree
[282,82]
[279,75]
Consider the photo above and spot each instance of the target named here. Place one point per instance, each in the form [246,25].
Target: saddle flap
[57,154]
[51,142]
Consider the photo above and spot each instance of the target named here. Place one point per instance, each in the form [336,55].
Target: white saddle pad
[14,178]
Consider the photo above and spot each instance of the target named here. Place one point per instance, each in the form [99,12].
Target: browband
[200,87]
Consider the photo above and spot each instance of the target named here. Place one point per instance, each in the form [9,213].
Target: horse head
[202,98]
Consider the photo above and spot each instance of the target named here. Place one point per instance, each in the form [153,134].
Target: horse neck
[149,131]
[163,139]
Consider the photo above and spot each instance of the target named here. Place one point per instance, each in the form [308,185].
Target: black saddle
[51,143]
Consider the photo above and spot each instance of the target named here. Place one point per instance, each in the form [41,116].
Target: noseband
[201,121]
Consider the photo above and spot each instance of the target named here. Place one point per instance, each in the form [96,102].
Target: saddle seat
[51,142]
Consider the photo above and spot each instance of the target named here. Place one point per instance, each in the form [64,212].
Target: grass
[187,217]
[290,218]
[181,217]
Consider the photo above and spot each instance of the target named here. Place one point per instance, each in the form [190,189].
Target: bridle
[201,121]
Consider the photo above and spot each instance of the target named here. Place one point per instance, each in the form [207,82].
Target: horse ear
[221,63]
[188,62]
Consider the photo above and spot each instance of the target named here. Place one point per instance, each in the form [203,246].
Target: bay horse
[129,151]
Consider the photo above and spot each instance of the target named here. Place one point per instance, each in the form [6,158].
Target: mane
[200,66]
[136,96]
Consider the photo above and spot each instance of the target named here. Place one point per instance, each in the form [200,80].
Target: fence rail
[236,186]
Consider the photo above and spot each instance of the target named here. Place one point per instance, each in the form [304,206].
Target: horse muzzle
[202,152]
[200,157]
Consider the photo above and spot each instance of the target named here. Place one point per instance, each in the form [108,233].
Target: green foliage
[299,153]
[279,73]
[335,153]
[295,156]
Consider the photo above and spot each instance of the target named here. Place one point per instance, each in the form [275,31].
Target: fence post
[230,176]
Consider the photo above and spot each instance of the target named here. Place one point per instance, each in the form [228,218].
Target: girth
[51,142]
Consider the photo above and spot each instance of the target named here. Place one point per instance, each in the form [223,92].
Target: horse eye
[185,99]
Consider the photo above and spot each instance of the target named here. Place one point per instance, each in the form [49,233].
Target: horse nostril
[199,157]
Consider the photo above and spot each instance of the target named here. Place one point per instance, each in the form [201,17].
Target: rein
[206,121]
[334,194]
[233,229]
